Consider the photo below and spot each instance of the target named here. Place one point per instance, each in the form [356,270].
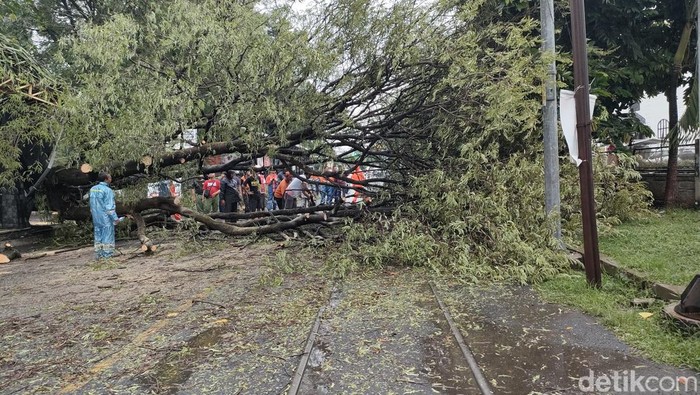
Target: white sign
[567,114]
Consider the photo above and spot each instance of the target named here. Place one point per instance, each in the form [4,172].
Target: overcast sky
[655,109]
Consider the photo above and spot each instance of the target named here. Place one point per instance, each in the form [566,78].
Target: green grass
[665,248]
[654,337]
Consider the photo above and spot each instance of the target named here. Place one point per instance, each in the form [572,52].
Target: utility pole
[552,199]
[591,255]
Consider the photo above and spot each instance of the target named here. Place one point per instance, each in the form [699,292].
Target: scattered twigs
[203,270]
[51,253]
[209,303]
[251,241]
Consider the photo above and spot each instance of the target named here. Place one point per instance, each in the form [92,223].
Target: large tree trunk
[15,209]
[673,134]
[671,192]
[75,177]
[255,223]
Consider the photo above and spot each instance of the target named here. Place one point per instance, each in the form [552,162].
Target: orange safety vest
[357,175]
[281,189]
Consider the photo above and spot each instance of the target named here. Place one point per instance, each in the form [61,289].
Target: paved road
[236,320]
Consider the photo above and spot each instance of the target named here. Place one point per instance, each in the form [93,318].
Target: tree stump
[9,253]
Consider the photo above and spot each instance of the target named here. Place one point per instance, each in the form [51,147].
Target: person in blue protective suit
[104,216]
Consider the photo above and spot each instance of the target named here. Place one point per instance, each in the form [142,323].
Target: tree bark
[262,214]
[147,245]
[233,230]
[257,224]
[671,193]
[75,177]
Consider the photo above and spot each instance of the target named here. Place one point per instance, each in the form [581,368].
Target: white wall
[655,108]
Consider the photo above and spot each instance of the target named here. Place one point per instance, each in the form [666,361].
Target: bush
[487,222]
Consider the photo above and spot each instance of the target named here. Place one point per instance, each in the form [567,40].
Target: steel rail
[476,371]
[299,373]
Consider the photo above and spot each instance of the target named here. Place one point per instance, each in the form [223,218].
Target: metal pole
[591,254]
[552,200]
[697,58]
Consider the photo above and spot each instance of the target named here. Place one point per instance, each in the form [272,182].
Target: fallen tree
[439,104]
[258,223]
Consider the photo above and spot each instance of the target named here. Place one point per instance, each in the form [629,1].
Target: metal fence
[656,157]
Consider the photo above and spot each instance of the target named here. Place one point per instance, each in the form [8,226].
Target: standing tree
[682,18]
[29,124]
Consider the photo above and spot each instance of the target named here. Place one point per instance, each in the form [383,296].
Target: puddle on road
[176,368]
[526,345]
[321,383]
[444,365]
[318,355]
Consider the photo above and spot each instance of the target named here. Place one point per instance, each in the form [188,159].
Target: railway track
[296,385]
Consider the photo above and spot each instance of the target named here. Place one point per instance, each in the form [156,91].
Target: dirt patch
[161,324]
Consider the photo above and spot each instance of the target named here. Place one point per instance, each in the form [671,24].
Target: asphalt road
[230,318]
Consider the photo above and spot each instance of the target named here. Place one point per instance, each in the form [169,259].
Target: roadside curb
[611,267]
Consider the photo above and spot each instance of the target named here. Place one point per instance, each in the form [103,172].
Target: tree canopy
[440,99]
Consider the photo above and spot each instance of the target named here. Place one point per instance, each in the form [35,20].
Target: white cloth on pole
[567,114]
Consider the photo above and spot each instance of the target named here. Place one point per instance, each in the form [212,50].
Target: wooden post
[584,129]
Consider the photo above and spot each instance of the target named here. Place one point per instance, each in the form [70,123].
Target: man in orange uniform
[357,175]
[282,188]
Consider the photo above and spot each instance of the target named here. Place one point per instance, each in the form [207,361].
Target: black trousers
[253,203]
[231,204]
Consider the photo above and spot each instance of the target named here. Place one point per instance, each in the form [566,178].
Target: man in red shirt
[211,189]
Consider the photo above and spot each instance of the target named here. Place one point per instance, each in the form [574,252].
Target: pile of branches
[150,211]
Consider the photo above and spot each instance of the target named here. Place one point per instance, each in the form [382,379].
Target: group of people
[252,191]
[229,192]
[263,190]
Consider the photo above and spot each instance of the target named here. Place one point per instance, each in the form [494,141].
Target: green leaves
[479,211]
[184,65]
